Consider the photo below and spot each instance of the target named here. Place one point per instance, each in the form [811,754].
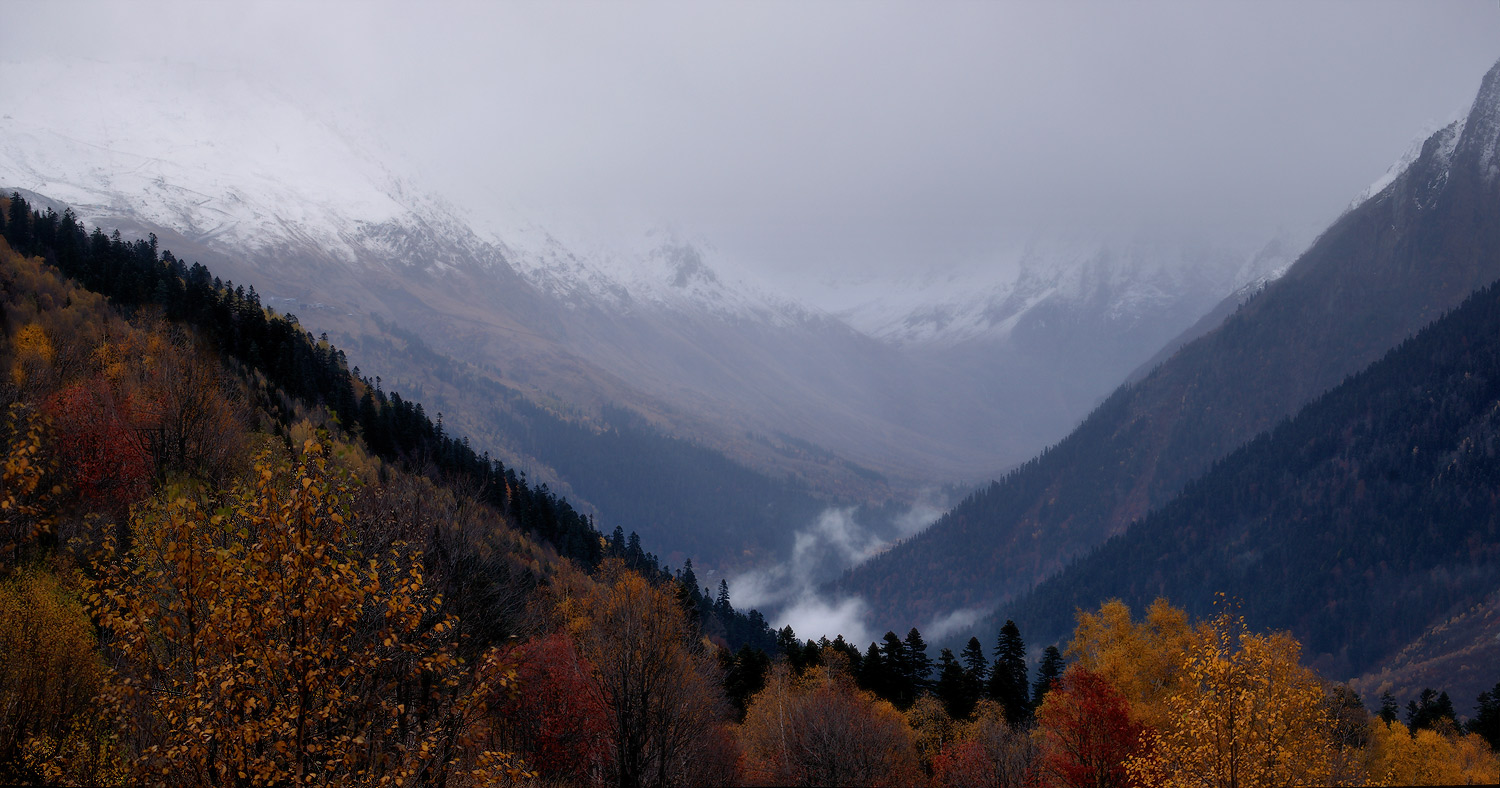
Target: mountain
[1357,524]
[866,404]
[1383,270]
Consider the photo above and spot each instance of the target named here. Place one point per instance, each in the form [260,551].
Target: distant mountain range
[1362,522]
[909,384]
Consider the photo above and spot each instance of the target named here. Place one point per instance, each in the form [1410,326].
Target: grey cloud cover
[835,136]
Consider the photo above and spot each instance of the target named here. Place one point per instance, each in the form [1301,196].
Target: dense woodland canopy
[225,560]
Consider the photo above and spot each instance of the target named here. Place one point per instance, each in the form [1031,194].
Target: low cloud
[787,593]
[954,623]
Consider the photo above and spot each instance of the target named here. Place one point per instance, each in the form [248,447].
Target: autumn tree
[1138,658]
[1244,713]
[50,673]
[822,730]
[558,723]
[989,753]
[1086,734]
[187,410]
[27,489]
[256,647]
[1398,755]
[656,680]
[933,728]
[102,455]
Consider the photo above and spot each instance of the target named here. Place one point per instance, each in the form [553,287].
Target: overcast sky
[841,135]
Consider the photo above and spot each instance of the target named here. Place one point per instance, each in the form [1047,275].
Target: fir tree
[1008,678]
[1486,720]
[952,686]
[1390,711]
[976,670]
[872,672]
[1047,675]
[1431,710]
[899,689]
[721,602]
[918,664]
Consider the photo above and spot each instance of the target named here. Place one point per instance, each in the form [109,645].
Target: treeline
[1356,524]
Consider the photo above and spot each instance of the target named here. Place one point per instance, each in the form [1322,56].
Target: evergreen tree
[1047,675]
[1008,678]
[1431,709]
[746,676]
[1390,711]
[872,672]
[811,656]
[787,642]
[850,651]
[721,602]
[953,686]
[976,670]
[689,580]
[918,664]
[18,224]
[898,685]
[1486,720]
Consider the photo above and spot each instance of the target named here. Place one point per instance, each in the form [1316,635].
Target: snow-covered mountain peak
[1481,133]
[1120,282]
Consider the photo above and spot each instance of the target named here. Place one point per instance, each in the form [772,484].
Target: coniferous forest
[227,560]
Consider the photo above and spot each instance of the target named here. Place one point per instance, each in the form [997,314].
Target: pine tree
[1432,710]
[721,602]
[1486,720]
[1390,711]
[918,664]
[689,580]
[1047,675]
[18,224]
[1008,679]
[952,686]
[872,672]
[898,687]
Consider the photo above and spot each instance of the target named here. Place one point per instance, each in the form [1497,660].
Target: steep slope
[1359,523]
[227,171]
[1382,271]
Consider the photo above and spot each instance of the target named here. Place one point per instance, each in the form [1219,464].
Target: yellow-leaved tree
[1244,714]
[50,673]
[26,488]
[1140,659]
[1396,756]
[258,646]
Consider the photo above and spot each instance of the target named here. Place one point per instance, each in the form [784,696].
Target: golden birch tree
[257,647]
[1244,714]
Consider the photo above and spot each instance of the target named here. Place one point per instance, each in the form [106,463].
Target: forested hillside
[1380,273]
[1356,525]
[693,501]
[224,560]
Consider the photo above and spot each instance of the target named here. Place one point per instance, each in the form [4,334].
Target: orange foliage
[257,648]
[823,730]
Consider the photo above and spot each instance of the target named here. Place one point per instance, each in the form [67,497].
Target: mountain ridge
[1378,274]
